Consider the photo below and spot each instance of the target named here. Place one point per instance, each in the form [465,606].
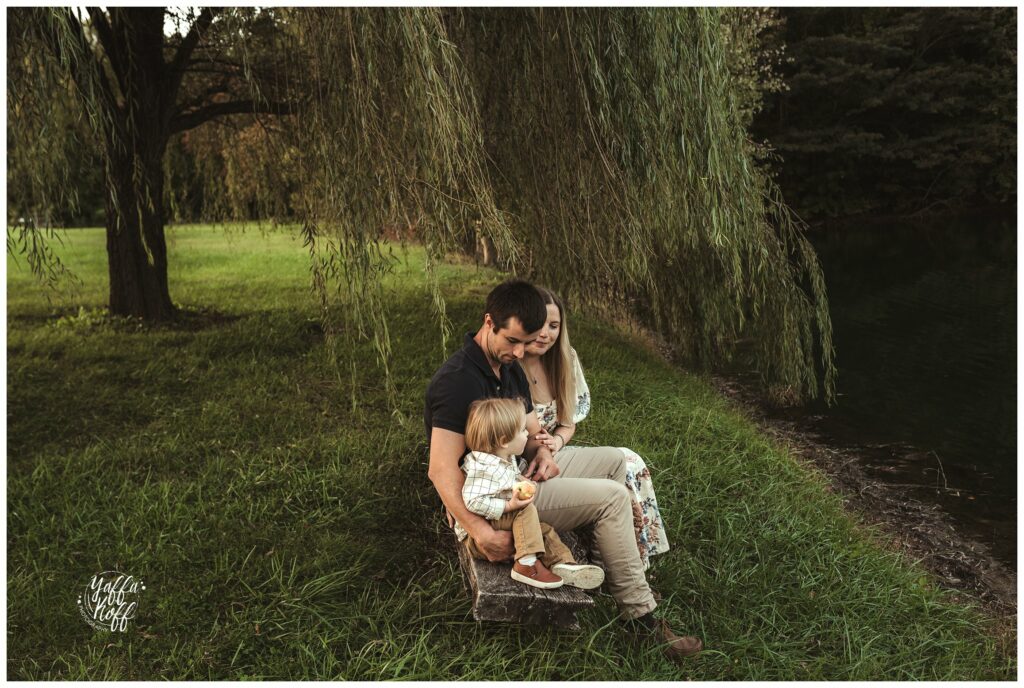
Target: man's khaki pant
[591,490]
[531,537]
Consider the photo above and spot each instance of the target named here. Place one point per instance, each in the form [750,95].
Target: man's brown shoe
[676,647]
[537,575]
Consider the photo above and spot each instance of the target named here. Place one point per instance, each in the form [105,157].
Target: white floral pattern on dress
[651,537]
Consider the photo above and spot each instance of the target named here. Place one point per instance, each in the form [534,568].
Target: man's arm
[446,449]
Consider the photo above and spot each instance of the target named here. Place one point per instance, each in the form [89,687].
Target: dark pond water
[925,329]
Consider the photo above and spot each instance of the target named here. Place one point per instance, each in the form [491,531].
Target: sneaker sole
[536,583]
[582,576]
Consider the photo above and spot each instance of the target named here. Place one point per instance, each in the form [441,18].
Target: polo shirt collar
[477,355]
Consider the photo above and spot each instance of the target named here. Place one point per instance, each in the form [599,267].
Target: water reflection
[925,333]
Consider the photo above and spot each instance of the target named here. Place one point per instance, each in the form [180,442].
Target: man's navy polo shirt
[464,378]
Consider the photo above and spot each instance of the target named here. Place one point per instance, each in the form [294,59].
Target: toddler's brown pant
[531,537]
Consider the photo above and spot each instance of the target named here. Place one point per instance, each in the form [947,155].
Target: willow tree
[138,88]
[603,151]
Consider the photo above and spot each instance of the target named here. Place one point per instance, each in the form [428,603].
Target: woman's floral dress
[651,538]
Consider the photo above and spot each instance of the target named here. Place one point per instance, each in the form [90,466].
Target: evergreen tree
[896,110]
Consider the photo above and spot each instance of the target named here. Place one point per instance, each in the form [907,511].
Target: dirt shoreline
[922,532]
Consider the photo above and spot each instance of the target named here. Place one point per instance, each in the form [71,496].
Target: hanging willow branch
[391,137]
[617,140]
[45,129]
[602,151]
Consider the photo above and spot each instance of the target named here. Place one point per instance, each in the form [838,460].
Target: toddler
[495,434]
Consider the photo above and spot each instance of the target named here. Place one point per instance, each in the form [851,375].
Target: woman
[562,399]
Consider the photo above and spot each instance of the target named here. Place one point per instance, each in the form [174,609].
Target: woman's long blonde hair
[557,364]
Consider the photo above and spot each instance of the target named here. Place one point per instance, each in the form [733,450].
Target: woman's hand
[552,442]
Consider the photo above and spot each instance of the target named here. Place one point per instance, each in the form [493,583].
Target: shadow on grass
[83,320]
[89,377]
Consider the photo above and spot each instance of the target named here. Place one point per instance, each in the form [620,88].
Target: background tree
[139,87]
[896,110]
[756,53]
[603,152]
[231,169]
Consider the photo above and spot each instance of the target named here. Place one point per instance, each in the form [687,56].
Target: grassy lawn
[283,534]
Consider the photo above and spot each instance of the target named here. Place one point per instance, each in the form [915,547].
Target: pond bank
[924,330]
[921,531]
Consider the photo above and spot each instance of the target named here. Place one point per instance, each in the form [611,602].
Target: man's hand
[496,545]
[542,467]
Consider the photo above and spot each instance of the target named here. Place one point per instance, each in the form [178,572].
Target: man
[585,486]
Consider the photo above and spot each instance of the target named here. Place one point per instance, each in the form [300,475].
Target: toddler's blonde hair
[493,423]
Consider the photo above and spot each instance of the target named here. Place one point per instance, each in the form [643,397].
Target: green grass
[283,535]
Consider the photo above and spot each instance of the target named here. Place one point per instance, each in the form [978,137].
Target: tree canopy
[602,151]
[895,110]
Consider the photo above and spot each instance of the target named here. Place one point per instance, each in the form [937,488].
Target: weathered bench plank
[496,597]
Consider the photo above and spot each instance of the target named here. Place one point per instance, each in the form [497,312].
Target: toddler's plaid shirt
[489,481]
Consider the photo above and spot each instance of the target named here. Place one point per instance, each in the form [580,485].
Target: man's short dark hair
[519,299]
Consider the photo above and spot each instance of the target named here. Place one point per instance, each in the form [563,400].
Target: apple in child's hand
[524,489]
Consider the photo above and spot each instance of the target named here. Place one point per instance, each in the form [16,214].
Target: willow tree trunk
[140,88]
[137,135]
[136,245]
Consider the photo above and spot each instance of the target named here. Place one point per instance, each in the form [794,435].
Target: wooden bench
[496,597]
